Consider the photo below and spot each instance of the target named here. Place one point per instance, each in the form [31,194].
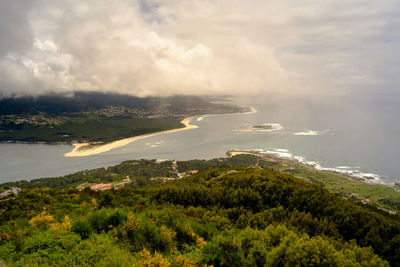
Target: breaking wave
[310,132]
[353,172]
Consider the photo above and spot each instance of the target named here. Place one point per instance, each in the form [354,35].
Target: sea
[357,134]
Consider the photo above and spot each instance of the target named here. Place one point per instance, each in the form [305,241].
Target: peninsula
[87,149]
[98,122]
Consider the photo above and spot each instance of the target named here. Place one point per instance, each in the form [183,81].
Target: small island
[266,127]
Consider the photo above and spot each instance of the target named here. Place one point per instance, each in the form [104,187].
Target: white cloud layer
[199,46]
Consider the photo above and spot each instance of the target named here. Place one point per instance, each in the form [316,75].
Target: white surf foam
[275,126]
[281,150]
[155,144]
[201,118]
[251,111]
[346,170]
[310,133]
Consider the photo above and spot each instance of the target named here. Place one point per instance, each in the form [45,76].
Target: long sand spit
[84,149]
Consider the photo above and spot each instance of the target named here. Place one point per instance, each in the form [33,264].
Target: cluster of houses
[102,187]
[29,119]
[364,201]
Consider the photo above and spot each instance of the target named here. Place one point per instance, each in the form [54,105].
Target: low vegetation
[229,215]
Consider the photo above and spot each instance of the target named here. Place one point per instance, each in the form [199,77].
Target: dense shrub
[83,228]
[220,217]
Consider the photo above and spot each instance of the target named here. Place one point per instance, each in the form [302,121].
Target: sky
[166,47]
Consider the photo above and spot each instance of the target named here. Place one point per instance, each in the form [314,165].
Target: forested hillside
[224,216]
[90,101]
[97,117]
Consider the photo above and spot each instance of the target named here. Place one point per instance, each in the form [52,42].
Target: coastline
[382,195]
[252,110]
[80,151]
[285,156]
[88,149]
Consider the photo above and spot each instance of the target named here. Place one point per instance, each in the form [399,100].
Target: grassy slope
[383,196]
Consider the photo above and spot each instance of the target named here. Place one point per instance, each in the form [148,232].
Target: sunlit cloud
[198,47]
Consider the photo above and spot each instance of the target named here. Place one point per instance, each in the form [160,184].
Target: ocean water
[357,134]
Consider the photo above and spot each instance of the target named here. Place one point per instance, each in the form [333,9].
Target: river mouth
[335,133]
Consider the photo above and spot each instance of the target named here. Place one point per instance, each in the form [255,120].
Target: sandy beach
[85,149]
[80,150]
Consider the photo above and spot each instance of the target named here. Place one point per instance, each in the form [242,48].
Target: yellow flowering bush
[4,236]
[153,260]
[200,242]
[41,219]
[93,202]
[184,261]
[168,238]
[132,223]
[65,225]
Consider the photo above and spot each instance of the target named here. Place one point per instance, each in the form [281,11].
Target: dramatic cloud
[198,46]
[15,32]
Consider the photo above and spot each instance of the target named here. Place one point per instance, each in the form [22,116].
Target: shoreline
[203,116]
[310,164]
[86,149]
[383,196]
[80,151]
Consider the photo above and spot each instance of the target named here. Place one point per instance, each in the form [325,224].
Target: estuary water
[355,134]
